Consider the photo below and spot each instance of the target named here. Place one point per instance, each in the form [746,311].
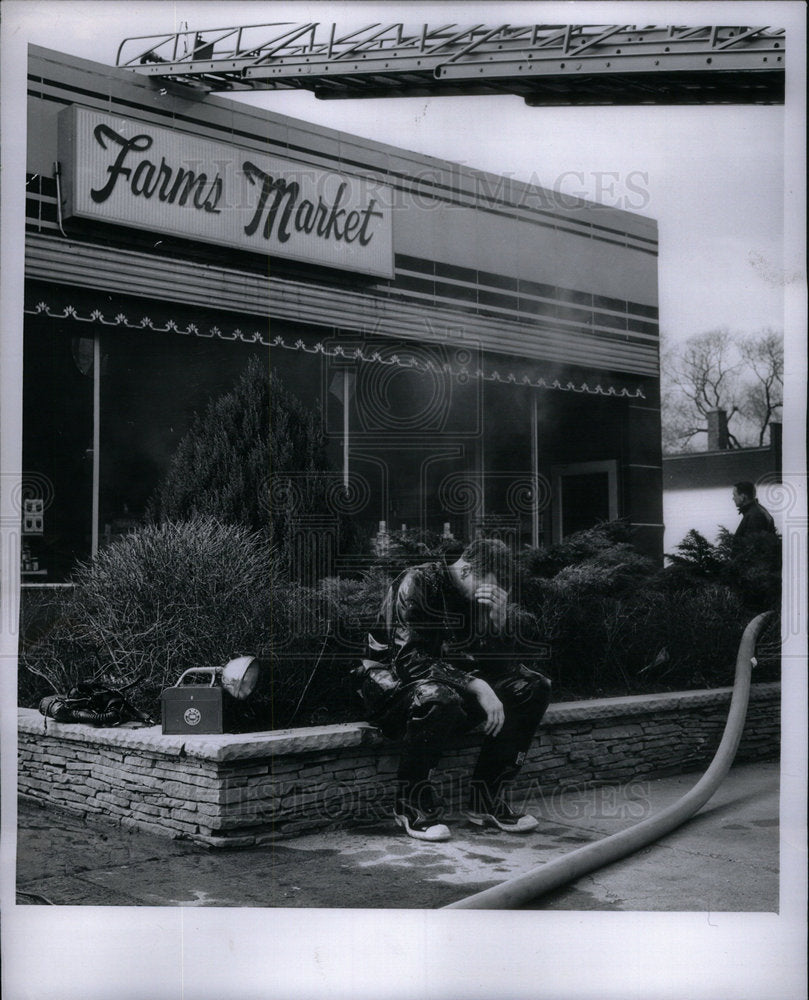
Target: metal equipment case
[192,709]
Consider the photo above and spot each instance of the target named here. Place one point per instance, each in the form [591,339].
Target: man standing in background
[754,517]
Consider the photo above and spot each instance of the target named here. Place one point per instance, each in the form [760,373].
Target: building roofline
[719,453]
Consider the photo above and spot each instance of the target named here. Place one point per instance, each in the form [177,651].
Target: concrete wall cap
[228,747]
[150,738]
[643,704]
[224,747]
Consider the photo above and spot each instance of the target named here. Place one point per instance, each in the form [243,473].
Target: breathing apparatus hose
[524,888]
[92,718]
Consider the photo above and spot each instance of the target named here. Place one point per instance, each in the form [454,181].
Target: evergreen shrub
[257,457]
[616,624]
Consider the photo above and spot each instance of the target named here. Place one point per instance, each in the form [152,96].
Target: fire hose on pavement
[524,888]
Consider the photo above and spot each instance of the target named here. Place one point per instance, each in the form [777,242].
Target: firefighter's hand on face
[496,599]
[490,704]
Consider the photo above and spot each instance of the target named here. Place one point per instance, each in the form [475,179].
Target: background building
[485,352]
[698,486]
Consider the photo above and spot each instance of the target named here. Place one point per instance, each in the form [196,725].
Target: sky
[712,177]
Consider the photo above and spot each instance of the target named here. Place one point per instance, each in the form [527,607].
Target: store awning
[406,356]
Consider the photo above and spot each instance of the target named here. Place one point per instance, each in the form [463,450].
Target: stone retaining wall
[246,789]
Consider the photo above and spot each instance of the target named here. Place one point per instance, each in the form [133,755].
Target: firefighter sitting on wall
[441,663]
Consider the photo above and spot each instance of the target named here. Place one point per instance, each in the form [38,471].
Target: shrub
[645,641]
[221,466]
[576,549]
[613,571]
[301,677]
[353,604]
[159,600]
[750,566]
[697,554]
[616,625]
[48,652]
[598,557]
[340,613]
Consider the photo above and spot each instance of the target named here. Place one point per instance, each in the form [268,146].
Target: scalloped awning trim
[120,320]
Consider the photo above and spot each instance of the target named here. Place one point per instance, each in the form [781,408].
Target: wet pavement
[726,858]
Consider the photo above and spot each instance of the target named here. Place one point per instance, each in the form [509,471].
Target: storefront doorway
[584,493]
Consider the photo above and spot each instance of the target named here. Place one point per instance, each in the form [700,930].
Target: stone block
[302,799]
[236,821]
[308,773]
[114,798]
[185,814]
[618,732]
[33,782]
[345,774]
[105,769]
[68,795]
[208,809]
[65,778]
[220,841]
[664,729]
[280,774]
[542,764]
[236,796]
[228,784]
[148,809]
[167,767]
[140,760]
[57,767]
[324,758]
[30,720]
[246,770]
[188,829]
[144,782]
[159,829]
[149,738]
[560,736]
[187,792]
[247,816]
[116,811]
[265,792]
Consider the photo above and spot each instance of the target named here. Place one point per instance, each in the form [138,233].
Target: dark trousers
[431,714]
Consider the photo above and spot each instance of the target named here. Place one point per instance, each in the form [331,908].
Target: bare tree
[763,398]
[701,376]
[719,371]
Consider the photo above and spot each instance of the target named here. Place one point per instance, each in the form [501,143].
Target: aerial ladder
[546,65]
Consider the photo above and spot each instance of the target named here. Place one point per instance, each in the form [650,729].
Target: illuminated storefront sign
[131,173]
